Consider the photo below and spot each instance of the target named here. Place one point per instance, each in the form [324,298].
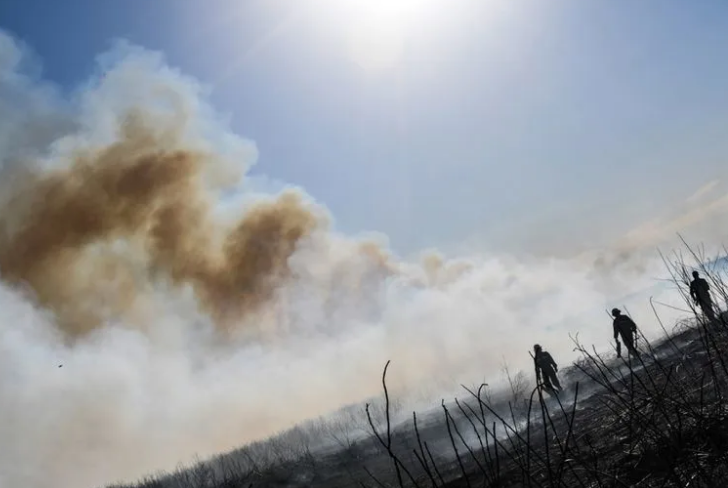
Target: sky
[540,127]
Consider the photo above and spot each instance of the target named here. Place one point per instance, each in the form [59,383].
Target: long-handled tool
[619,344]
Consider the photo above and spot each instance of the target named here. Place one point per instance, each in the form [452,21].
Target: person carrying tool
[700,293]
[546,368]
[626,328]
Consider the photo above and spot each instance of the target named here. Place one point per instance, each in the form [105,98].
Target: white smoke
[125,401]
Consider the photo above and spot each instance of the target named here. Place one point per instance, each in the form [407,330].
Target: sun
[377,30]
[391,13]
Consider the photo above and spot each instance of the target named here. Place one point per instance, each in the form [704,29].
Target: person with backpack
[546,369]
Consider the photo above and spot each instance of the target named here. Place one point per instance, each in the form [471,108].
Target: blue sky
[513,126]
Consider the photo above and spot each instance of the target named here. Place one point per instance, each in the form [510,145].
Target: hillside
[659,421]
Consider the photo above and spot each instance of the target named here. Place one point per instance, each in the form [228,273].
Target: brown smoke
[60,233]
[441,272]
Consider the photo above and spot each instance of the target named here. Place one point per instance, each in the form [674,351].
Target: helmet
[536,347]
[615,312]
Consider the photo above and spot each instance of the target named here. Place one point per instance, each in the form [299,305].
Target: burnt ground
[658,421]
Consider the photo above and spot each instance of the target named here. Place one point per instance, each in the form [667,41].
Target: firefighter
[700,293]
[626,328]
[546,368]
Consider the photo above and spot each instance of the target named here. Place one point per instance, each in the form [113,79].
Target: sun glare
[387,11]
[377,30]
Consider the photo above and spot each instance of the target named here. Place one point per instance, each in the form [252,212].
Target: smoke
[149,317]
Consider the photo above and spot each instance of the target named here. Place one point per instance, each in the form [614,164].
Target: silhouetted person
[700,292]
[626,328]
[546,368]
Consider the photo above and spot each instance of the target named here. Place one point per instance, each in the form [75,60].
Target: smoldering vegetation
[654,420]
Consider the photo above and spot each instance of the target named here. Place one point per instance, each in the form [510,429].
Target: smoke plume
[188,322]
